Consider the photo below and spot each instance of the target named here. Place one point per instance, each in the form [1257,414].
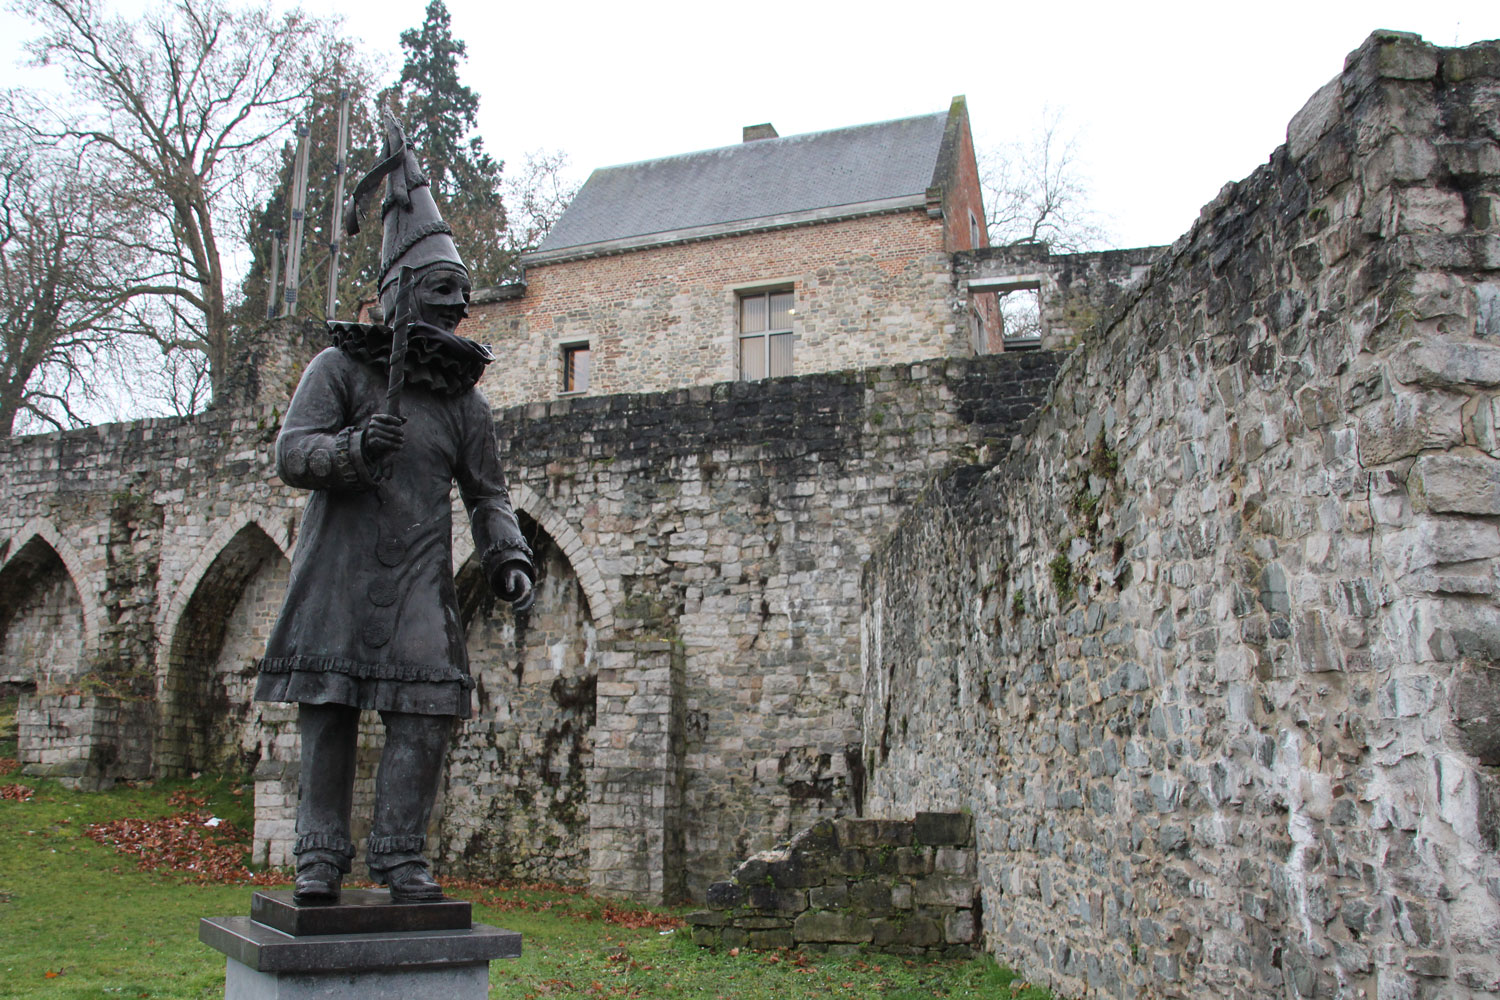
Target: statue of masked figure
[381,426]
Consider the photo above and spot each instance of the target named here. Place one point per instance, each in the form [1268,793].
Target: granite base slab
[445,982]
[358,911]
[266,949]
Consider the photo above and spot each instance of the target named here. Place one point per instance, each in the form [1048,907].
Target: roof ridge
[767,143]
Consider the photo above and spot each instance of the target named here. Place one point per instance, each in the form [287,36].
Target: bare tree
[179,116]
[61,321]
[1035,192]
[535,199]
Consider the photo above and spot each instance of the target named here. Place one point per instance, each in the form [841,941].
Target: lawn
[80,919]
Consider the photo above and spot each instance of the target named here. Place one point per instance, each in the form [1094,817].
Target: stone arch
[276,532]
[572,546]
[205,702]
[516,801]
[18,554]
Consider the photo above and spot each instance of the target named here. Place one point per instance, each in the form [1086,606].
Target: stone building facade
[649,265]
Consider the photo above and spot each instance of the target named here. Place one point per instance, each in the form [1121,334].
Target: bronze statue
[381,425]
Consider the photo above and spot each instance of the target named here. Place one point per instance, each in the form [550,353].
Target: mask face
[442,297]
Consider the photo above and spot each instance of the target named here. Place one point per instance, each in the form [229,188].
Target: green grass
[78,920]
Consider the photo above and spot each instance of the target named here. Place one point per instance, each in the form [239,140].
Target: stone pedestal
[365,946]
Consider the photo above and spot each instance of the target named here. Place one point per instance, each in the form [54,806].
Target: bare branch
[1035,191]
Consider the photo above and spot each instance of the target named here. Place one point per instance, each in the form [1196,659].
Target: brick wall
[869,292]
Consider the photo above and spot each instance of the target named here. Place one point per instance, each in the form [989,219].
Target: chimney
[765,130]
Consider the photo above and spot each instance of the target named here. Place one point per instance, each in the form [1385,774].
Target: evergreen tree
[440,115]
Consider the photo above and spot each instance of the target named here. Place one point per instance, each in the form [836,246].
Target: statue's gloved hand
[382,436]
[515,586]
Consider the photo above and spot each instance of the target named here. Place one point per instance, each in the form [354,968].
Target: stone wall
[869,291]
[1074,290]
[1211,655]
[516,799]
[722,531]
[686,690]
[902,887]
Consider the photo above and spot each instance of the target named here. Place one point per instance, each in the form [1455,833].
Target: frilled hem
[311,687]
[363,670]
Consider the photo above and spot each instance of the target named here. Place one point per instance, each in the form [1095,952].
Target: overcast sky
[1169,101]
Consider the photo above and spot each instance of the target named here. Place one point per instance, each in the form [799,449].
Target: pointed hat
[415,233]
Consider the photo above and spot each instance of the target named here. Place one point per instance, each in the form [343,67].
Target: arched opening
[516,800]
[208,721]
[41,644]
[41,622]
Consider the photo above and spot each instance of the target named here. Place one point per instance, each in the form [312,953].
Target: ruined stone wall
[516,800]
[1211,655]
[870,291]
[902,887]
[1074,290]
[721,530]
[686,690]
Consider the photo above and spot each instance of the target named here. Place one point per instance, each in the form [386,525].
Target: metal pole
[335,227]
[273,295]
[299,221]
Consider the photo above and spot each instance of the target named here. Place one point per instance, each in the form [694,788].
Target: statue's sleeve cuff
[499,556]
[349,461]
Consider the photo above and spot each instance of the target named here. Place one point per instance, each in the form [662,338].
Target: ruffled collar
[436,360]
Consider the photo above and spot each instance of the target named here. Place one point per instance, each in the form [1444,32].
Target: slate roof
[753,180]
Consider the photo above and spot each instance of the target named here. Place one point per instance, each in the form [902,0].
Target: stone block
[960,927]
[960,861]
[800,870]
[863,832]
[1474,700]
[771,899]
[1456,482]
[753,923]
[944,829]
[901,896]
[707,918]
[725,895]
[915,931]
[768,940]
[1403,425]
[1471,62]
[871,896]
[1447,364]
[944,890]
[828,897]
[913,860]
[822,925]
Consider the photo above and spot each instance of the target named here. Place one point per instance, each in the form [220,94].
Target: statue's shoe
[317,883]
[411,882]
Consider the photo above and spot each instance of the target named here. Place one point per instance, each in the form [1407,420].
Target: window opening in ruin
[974,243]
[977,340]
[576,367]
[766,334]
[1021,316]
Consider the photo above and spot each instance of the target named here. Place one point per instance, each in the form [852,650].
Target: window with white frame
[766,333]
